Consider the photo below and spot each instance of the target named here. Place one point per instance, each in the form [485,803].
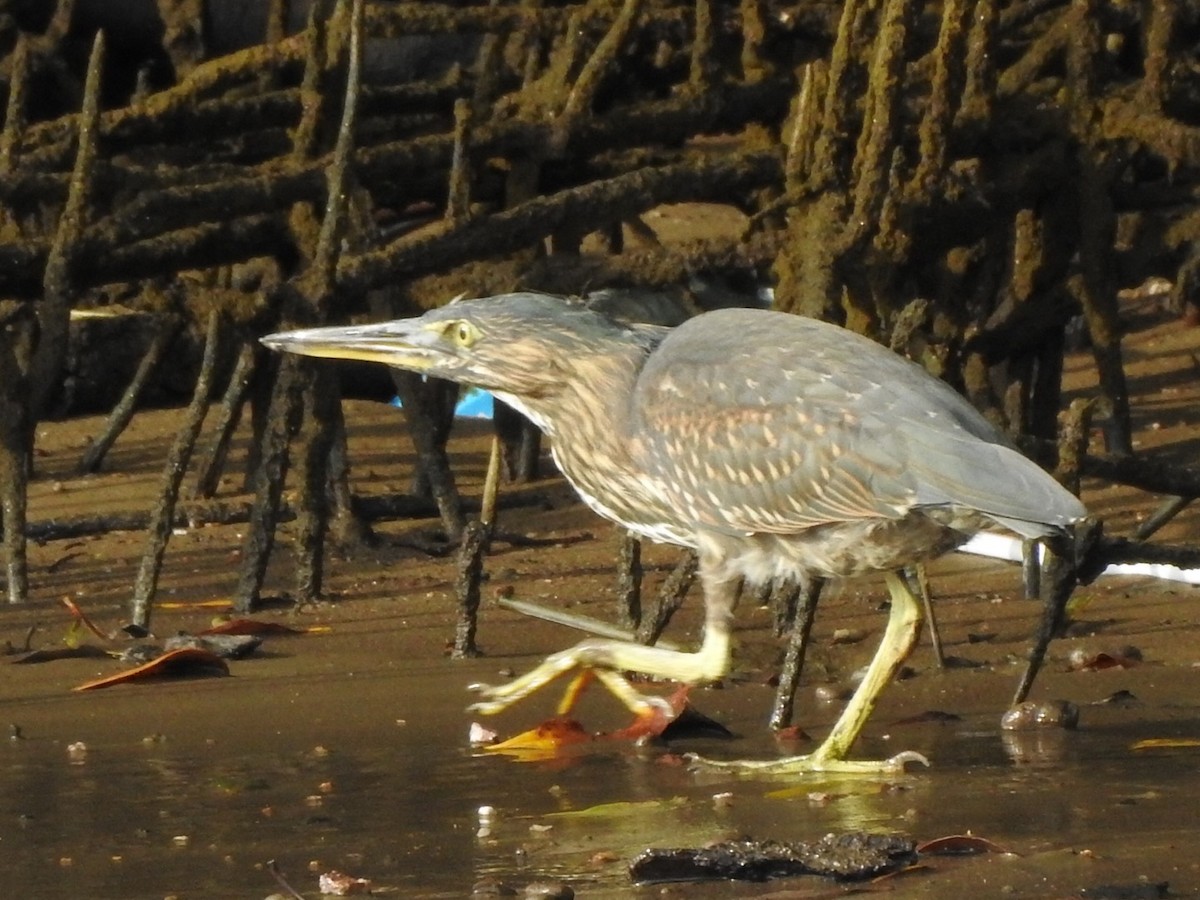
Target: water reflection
[151,819]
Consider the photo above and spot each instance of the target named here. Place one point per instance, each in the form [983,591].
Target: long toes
[493,692]
[487,707]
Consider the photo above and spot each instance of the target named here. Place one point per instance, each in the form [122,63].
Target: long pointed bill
[406,344]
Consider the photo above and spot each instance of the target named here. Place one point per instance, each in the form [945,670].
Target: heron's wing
[778,424]
[747,441]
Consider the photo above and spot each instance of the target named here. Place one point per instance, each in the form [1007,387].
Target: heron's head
[524,345]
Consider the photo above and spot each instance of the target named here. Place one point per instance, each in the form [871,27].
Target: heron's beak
[406,344]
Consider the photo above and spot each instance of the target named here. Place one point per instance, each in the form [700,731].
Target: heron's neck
[590,426]
[588,420]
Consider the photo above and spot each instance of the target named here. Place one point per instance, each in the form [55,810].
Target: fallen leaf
[251,626]
[177,663]
[959,845]
[1165,743]
[681,722]
[81,619]
[678,720]
[547,737]
[792,733]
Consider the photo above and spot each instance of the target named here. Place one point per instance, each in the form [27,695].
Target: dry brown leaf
[189,661]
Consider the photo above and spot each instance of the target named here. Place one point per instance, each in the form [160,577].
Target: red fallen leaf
[175,663]
[545,738]
[655,722]
[792,733]
[959,845]
[78,615]
[1106,661]
[679,719]
[250,626]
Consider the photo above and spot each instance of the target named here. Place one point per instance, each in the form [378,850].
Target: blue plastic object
[475,403]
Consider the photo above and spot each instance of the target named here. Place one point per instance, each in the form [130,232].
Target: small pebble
[492,887]
[830,693]
[1049,714]
[549,890]
[480,735]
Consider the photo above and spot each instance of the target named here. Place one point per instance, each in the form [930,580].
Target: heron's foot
[605,660]
[812,764]
[645,707]
[495,698]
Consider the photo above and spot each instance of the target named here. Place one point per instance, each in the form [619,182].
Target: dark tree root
[159,532]
[283,421]
[212,463]
[122,413]
[17,330]
[629,580]
[797,646]
[670,598]
[476,540]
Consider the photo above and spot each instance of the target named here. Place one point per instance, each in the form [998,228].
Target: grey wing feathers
[773,423]
[994,479]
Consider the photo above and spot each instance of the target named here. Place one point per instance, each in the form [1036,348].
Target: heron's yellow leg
[574,691]
[903,628]
[606,659]
[617,685]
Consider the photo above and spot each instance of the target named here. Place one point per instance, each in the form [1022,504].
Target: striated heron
[774,445]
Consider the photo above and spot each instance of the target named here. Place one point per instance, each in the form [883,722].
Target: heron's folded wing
[768,468]
[952,469]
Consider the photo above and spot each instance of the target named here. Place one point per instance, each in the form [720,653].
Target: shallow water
[194,807]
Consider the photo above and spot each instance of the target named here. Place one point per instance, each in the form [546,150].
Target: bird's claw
[654,707]
[489,703]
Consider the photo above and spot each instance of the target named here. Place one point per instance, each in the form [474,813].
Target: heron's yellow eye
[461,333]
